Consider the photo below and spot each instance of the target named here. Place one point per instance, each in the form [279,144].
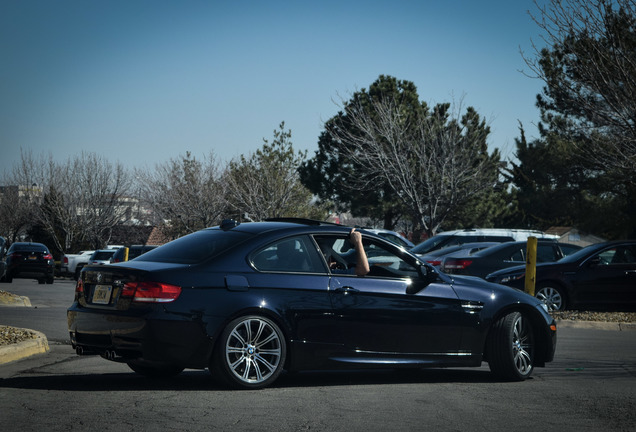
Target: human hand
[355,237]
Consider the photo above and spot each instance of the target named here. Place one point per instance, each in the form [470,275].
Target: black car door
[379,319]
[608,277]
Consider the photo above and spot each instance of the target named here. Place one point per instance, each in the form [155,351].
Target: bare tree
[16,211]
[185,193]
[76,201]
[589,68]
[433,161]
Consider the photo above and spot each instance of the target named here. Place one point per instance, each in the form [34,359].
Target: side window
[289,255]
[385,263]
[337,252]
[618,256]
[607,257]
[518,256]
[546,253]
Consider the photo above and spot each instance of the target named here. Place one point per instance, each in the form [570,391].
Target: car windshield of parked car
[196,247]
[580,254]
[430,244]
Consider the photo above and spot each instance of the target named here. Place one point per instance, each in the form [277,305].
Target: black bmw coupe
[253,299]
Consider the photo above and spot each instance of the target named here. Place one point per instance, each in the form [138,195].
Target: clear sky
[143,81]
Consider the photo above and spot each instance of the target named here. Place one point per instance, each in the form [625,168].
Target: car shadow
[197,380]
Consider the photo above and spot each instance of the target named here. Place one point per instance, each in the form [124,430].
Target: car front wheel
[552,296]
[510,348]
[250,353]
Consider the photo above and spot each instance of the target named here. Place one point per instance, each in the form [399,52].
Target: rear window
[21,247]
[103,255]
[196,247]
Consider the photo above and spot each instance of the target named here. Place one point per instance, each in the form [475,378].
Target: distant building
[574,236]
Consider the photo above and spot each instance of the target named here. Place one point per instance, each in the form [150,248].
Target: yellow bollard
[531,266]
[126,254]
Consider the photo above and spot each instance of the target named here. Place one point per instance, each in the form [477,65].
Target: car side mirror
[426,276]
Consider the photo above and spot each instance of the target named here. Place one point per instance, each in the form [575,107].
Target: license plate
[32,257]
[101,294]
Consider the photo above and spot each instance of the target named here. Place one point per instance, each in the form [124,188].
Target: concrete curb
[14,300]
[24,349]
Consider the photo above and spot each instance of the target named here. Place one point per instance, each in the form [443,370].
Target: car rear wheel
[510,348]
[552,296]
[250,353]
[155,370]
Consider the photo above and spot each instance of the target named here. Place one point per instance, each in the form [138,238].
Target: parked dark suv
[30,261]
[3,250]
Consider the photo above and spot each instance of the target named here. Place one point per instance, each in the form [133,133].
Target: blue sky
[141,82]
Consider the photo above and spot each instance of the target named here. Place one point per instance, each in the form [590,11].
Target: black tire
[552,295]
[510,348]
[155,370]
[50,280]
[250,353]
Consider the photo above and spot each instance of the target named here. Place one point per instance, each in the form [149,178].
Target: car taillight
[434,262]
[65,259]
[456,264]
[79,287]
[151,292]
[47,256]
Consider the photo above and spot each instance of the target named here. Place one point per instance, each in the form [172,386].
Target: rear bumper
[144,337]
[34,271]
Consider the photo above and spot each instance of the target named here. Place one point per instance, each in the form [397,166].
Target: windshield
[580,254]
[196,247]
[430,244]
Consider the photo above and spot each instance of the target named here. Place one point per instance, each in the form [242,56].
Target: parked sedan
[29,261]
[436,257]
[599,275]
[250,300]
[504,255]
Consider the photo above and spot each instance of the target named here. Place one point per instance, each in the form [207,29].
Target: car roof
[279,224]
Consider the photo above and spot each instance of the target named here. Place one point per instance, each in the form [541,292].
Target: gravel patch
[575,315]
[11,335]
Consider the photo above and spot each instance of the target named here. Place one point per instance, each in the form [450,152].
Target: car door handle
[346,290]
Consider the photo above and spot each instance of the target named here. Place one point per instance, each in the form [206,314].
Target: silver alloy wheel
[522,346]
[551,297]
[253,350]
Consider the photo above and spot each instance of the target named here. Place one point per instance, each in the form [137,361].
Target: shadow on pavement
[197,380]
